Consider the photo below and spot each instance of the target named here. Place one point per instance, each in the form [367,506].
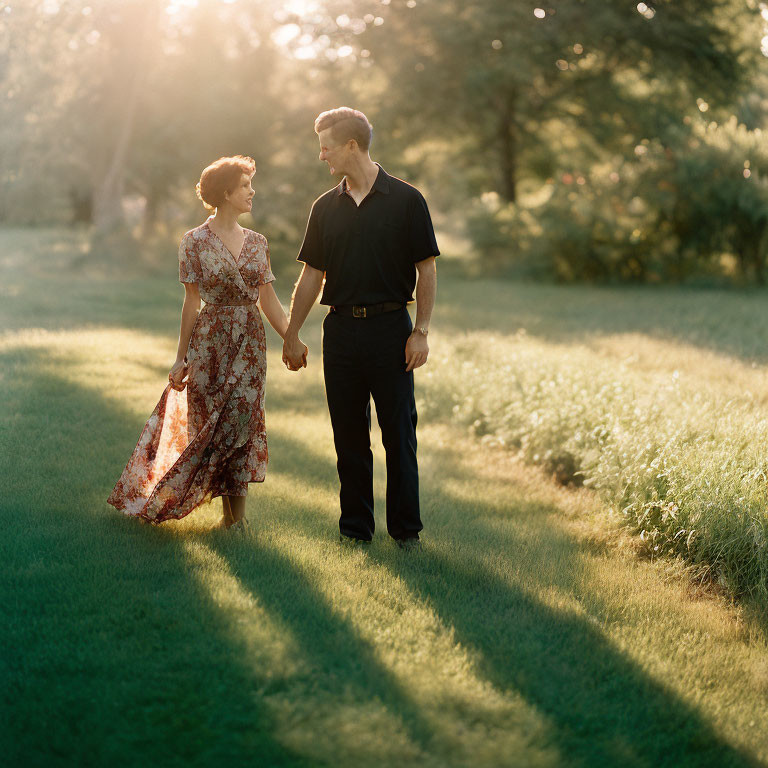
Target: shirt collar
[381,184]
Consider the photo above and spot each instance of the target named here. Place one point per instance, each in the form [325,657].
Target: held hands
[416,351]
[295,353]
[177,374]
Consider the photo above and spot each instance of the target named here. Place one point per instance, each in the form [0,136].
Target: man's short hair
[346,124]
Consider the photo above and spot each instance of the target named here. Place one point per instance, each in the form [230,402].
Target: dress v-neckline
[235,259]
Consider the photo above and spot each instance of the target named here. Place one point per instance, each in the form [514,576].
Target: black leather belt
[358,310]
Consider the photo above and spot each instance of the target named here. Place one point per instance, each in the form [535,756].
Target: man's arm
[304,296]
[417,348]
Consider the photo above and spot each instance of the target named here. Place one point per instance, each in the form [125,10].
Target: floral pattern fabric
[209,439]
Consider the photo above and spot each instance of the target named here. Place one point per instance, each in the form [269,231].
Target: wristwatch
[420,329]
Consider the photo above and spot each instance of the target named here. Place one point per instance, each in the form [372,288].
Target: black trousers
[364,357]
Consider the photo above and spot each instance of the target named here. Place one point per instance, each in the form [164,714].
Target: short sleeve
[266,275]
[189,261]
[311,251]
[421,232]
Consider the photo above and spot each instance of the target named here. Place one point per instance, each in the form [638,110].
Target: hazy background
[580,140]
[593,585]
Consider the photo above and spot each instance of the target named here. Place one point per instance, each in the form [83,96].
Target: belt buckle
[358,311]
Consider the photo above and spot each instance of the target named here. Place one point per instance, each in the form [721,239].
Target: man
[368,237]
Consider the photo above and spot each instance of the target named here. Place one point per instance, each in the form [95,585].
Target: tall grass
[684,464]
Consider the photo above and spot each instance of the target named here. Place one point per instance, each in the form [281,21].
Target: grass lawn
[528,632]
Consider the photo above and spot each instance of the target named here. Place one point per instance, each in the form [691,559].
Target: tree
[511,81]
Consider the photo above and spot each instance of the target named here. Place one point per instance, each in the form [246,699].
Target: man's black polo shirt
[368,252]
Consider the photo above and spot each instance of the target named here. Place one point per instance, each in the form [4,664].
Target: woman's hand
[177,374]
[294,353]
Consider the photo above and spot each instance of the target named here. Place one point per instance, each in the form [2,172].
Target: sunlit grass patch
[681,456]
[522,633]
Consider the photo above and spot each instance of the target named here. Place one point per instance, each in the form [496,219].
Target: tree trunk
[150,212]
[508,149]
[108,195]
[108,190]
[81,200]
[757,263]
[760,247]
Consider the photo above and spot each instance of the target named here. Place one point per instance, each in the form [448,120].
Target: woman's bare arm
[189,314]
[273,309]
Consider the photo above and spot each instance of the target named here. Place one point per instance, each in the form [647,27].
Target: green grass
[528,632]
[656,399]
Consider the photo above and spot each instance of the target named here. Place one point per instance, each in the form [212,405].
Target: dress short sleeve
[421,232]
[266,275]
[189,261]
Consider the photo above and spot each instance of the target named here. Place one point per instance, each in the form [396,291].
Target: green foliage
[697,211]
[675,440]
[718,198]
[116,106]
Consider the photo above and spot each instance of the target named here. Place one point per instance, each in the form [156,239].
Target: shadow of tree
[96,666]
[607,709]
[111,652]
[339,656]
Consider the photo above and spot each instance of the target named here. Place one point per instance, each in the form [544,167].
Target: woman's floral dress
[209,439]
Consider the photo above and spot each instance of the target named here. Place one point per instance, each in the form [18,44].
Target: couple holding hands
[366,239]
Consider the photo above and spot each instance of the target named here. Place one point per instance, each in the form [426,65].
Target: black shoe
[353,541]
[410,542]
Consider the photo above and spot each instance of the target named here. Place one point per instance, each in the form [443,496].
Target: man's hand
[294,353]
[416,351]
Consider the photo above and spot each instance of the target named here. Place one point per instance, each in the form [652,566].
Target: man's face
[332,153]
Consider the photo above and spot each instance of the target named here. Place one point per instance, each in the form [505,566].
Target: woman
[206,437]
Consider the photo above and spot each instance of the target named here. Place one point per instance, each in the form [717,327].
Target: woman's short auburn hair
[347,124]
[221,178]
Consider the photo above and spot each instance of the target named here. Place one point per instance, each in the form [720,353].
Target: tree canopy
[577,140]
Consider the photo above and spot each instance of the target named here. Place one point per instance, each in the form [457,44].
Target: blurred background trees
[578,140]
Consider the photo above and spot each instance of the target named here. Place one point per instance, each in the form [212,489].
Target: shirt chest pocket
[388,236]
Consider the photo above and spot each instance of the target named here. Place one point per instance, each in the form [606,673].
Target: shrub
[685,471]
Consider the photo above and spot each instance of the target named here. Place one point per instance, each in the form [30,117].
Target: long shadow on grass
[328,641]
[606,709]
[111,652]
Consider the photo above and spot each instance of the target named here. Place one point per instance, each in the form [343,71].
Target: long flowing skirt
[209,439]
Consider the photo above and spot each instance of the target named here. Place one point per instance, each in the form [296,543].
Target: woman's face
[241,196]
